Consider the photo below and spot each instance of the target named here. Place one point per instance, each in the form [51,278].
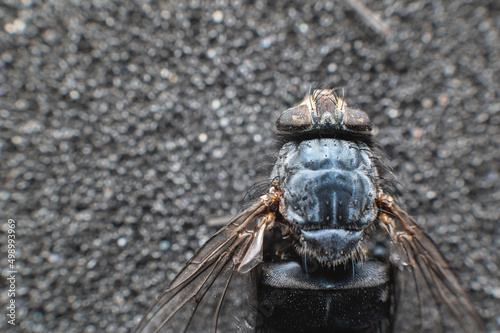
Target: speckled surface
[126,126]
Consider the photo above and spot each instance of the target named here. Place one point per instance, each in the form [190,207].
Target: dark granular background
[126,126]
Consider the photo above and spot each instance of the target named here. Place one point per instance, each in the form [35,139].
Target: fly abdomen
[324,300]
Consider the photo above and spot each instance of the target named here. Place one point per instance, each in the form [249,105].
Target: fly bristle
[359,254]
[318,93]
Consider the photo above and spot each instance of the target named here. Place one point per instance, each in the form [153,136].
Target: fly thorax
[329,192]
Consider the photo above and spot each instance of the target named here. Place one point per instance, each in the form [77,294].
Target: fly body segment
[326,249]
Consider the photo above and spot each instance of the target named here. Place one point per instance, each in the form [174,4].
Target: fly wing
[200,298]
[435,285]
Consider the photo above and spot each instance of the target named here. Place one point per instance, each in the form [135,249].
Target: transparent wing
[434,284]
[202,297]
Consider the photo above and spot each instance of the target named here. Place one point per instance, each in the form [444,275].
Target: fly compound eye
[357,120]
[294,119]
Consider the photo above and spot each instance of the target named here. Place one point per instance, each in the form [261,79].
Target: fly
[305,257]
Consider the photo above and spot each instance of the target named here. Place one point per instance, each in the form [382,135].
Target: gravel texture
[126,126]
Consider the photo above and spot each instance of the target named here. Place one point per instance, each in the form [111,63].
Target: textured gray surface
[125,126]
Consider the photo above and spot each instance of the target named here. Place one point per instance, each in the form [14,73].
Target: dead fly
[323,250]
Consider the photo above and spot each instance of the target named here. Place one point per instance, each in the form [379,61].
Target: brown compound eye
[294,119]
[357,120]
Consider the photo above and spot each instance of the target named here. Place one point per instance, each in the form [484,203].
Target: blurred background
[128,127]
